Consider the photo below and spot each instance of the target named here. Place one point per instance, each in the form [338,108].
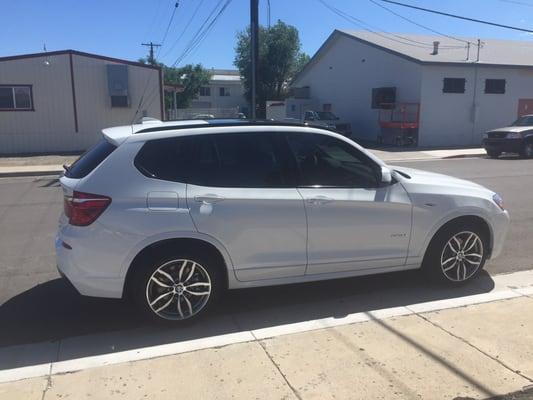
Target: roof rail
[223,123]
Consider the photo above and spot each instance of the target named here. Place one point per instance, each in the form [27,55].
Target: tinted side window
[246,160]
[168,159]
[326,161]
[89,160]
[223,160]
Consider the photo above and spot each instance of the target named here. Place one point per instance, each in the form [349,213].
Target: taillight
[83,209]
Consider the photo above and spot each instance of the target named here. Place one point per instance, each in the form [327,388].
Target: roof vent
[435,48]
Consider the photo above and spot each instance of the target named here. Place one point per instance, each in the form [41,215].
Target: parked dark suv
[517,138]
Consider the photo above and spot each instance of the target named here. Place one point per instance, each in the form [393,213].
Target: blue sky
[117,27]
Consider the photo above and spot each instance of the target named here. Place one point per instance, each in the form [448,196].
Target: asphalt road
[38,306]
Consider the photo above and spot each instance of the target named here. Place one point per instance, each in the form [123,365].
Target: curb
[15,174]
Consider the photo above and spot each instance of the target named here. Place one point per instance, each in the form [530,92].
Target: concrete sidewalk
[477,351]
[53,164]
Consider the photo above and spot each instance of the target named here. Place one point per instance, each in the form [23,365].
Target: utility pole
[478,48]
[151,58]
[254,47]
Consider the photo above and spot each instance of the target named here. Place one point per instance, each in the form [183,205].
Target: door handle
[209,198]
[319,200]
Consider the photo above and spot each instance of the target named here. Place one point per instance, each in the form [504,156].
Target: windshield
[524,121]
[326,115]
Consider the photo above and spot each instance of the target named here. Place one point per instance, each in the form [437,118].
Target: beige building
[224,91]
[60,101]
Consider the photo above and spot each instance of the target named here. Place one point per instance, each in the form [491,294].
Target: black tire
[439,251]
[493,153]
[527,150]
[143,285]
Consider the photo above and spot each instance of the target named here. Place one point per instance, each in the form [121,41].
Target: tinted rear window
[89,160]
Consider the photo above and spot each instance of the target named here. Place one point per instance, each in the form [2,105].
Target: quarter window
[16,97]
[454,85]
[327,161]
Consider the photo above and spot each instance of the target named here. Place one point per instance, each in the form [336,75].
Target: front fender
[420,240]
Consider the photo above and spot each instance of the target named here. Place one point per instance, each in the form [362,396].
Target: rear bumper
[504,145]
[85,284]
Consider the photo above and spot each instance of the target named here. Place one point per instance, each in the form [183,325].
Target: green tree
[280,59]
[189,77]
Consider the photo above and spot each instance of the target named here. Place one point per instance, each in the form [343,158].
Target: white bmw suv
[171,214]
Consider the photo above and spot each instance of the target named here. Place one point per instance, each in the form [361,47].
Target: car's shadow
[65,325]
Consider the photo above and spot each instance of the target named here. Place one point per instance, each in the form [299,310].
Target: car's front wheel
[456,254]
[527,151]
[177,287]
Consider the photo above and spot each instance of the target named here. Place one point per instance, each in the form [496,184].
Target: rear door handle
[319,200]
[209,198]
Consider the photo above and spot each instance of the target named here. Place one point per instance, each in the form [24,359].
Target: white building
[60,101]
[224,91]
[459,96]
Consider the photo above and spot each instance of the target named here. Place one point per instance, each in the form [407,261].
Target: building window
[495,86]
[205,91]
[119,101]
[454,85]
[384,97]
[223,91]
[16,98]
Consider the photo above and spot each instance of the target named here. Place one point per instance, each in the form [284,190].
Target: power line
[521,3]
[184,28]
[364,25]
[479,21]
[204,30]
[418,24]
[176,5]
[152,59]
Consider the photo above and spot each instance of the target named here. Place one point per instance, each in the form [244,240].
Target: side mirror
[386,175]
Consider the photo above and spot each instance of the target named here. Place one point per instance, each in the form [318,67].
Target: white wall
[50,127]
[462,118]
[345,75]
[235,99]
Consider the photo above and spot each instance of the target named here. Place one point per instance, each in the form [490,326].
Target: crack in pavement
[514,371]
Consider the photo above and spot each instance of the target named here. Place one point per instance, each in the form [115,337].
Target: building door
[525,106]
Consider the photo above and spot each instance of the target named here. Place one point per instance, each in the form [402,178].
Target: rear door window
[89,160]
[246,159]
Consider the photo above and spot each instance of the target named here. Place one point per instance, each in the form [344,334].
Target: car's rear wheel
[177,287]
[456,254]
[493,153]
[527,151]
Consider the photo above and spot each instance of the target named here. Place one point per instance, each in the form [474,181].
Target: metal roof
[420,48]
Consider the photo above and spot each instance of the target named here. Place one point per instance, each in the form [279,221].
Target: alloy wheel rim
[462,256]
[178,289]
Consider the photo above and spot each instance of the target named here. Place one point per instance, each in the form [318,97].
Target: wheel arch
[472,219]
[172,243]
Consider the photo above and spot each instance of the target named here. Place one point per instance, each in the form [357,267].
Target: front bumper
[504,145]
[500,226]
